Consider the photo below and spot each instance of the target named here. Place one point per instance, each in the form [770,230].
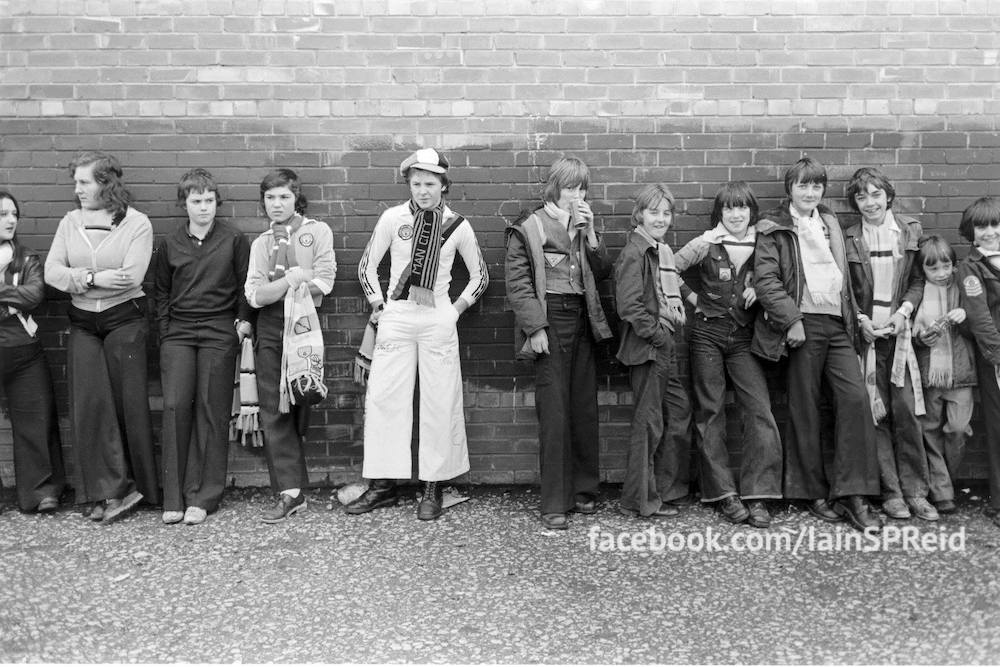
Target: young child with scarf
[648,298]
[947,368]
[888,284]
[718,267]
[294,251]
[808,313]
[979,277]
[416,331]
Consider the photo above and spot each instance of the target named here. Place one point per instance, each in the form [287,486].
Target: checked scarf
[426,252]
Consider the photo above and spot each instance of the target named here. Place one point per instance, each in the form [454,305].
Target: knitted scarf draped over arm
[425,254]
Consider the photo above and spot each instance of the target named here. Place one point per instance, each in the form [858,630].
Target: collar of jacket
[640,241]
[779,219]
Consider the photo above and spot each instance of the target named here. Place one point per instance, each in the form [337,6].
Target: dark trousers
[109,402]
[989,398]
[197,363]
[828,353]
[566,404]
[659,456]
[720,347]
[283,447]
[38,464]
[899,441]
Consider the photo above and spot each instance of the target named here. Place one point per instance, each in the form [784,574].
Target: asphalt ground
[487,584]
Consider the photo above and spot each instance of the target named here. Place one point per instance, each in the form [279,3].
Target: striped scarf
[668,290]
[282,255]
[425,254]
[883,252]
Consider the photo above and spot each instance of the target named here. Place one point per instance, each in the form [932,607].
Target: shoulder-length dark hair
[20,252]
[114,197]
[733,195]
[284,178]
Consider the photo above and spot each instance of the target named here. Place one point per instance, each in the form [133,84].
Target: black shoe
[759,516]
[555,521]
[284,508]
[733,509]
[430,505]
[47,504]
[946,506]
[857,512]
[116,509]
[821,509]
[382,493]
[586,506]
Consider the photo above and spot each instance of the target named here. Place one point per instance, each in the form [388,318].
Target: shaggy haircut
[197,180]
[650,197]
[284,178]
[566,172]
[984,212]
[806,170]
[860,181]
[113,196]
[733,195]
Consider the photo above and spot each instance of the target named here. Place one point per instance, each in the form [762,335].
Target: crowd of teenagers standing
[875,316]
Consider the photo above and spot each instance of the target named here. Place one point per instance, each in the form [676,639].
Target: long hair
[650,197]
[566,172]
[733,195]
[20,252]
[114,197]
[284,178]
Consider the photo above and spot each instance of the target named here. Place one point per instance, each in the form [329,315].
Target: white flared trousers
[412,337]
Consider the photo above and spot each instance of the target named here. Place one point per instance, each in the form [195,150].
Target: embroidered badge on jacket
[306,240]
[405,232]
[972,286]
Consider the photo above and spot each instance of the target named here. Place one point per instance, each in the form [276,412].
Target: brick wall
[690,93]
